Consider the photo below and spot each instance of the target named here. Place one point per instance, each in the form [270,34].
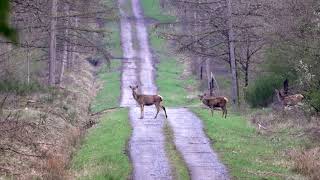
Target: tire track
[195,147]
[146,146]
[129,68]
[147,143]
[146,63]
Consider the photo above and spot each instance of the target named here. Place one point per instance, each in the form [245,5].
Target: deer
[147,100]
[213,102]
[290,100]
[285,99]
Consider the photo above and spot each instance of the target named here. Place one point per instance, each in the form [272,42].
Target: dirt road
[194,146]
[146,146]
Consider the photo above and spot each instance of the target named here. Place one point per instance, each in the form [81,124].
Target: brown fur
[147,100]
[291,100]
[213,102]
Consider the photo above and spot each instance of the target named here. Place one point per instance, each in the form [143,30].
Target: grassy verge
[172,85]
[179,170]
[108,95]
[152,10]
[102,155]
[248,154]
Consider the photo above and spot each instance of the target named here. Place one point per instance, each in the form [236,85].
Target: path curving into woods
[147,143]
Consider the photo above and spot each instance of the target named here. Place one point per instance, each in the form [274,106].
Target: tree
[53,41]
[232,57]
[56,38]
[226,31]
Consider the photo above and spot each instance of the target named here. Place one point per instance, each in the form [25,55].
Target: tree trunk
[234,92]
[52,49]
[71,58]
[65,56]
[28,64]
[208,72]
[246,77]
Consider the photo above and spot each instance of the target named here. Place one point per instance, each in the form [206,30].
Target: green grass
[172,85]
[102,155]
[152,10]
[247,154]
[179,170]
[113,38]
[108,95]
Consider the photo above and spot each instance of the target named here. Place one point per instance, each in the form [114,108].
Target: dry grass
[302,130]
[56,167]
[276,120]
[37,139]
[307,162]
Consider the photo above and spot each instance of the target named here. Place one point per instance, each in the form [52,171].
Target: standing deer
[147,100]
[212,102]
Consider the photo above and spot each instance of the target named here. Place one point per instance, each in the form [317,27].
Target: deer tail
[226,99]
[161,98]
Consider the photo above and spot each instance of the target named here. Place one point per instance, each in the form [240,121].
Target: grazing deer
[290,100]
[212,102]
[147,100]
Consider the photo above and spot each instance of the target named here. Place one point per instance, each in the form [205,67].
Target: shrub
[21,88]
[313,97]
[260,93]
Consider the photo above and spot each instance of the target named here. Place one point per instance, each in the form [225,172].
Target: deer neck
[135,95]
[205,101]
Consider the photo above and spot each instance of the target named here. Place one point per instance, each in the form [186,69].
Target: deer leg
[225,112]
[142,111]
[158,109]
[164,109]
[211,108]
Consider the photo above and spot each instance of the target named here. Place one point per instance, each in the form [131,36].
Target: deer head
[134,91]
[201,97]
[134,88]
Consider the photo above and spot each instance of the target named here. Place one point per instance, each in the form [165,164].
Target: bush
[14,86]
[313,97]
[260,93]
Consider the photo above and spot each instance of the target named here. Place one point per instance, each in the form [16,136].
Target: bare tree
[52,51]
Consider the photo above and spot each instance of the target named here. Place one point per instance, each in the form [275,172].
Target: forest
[160,89]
